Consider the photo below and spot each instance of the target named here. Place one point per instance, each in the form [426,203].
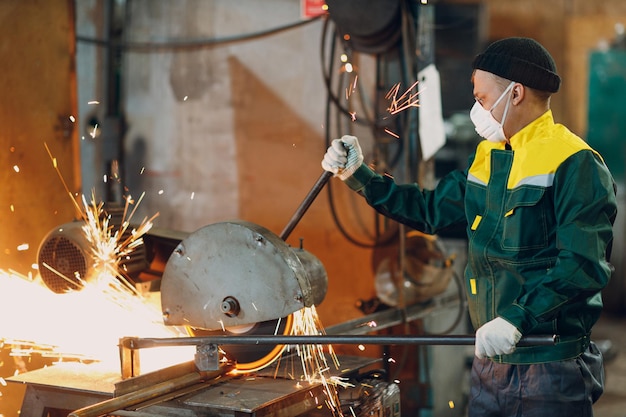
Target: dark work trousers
[565,388]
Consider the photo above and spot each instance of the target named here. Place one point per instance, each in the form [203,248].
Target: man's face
[487,91]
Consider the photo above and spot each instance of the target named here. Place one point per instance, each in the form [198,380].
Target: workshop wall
[570,29]
[38,99]
[38,93]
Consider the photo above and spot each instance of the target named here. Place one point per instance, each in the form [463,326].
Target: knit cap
[522,60]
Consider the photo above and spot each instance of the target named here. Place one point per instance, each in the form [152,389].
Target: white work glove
[343,157]
[496,337]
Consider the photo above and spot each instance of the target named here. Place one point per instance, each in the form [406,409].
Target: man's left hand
[496,337]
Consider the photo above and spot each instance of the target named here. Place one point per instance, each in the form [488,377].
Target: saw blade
[251,358]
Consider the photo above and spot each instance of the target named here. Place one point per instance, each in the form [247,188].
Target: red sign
[312,8]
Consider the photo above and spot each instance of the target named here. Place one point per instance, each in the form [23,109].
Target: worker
[538,205]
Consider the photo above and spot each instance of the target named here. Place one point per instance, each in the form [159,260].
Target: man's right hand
[496,337]
[343,157]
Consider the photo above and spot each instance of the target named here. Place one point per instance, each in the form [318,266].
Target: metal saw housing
[238,273]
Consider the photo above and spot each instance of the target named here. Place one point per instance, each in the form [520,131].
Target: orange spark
[389,132]
[405,101]
[352,88]
[103,310]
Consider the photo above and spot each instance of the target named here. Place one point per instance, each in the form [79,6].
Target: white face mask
[484,122]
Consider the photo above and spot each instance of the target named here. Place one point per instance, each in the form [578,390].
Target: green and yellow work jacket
[539,218]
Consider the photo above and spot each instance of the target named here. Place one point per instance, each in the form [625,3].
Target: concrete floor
[613,401]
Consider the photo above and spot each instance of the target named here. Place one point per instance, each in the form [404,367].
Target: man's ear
[519,92]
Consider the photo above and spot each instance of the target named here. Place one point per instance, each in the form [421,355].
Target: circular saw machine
[238,278]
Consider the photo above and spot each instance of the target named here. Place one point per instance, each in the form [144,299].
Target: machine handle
[304,206]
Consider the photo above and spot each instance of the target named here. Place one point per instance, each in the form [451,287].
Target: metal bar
[138,382]
[141,343]
[306,203]
[149,393]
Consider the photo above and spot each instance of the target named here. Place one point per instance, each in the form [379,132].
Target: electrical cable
[327,75]
[409,66]
[191,43]
[401,121]
[329,101]
[404,121]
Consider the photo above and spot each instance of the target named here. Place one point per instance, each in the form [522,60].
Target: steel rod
[140,343]
[149,393]
[306,203]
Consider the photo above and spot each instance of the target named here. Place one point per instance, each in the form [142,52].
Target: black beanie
[522,60]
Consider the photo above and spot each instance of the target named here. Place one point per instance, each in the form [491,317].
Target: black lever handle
[306,203]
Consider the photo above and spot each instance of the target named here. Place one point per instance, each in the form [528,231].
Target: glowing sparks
[405,101]
[389,132]
[81,325]
[106,307]
[93,102]
[451,404]
[111,246]
[16,168]
[276,330]
[72,119]
[23,247]
[306,322]
[94,132]
[313,358]
[129,199]
[86,324]
[56,168]
[352,87]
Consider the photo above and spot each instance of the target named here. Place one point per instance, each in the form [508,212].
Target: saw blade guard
[236,273]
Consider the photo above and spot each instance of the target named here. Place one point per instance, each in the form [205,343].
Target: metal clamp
[207,357]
